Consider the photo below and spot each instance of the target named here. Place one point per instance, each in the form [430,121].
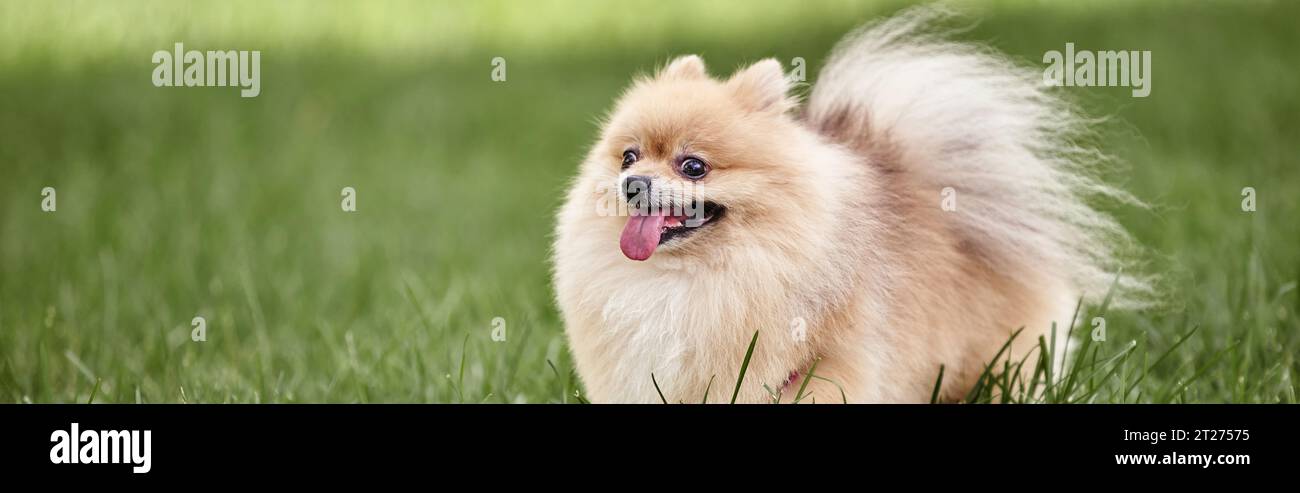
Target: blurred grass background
[183,202]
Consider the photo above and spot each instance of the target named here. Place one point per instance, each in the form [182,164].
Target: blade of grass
[661,393]
[938,382]
[94,391]
[1115,363]
[744,367]
[1162,357]
[843,398]
[460,378]
[564,386]
[812,371]
[1214,360]
[985,375]
[772,394]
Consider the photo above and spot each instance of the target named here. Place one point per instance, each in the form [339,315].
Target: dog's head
[689,158]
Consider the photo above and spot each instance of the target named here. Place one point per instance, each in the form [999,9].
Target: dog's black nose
[634,186]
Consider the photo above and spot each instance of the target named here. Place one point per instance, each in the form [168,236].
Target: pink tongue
[641,236]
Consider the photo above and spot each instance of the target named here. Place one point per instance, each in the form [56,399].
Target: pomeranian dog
[928,200]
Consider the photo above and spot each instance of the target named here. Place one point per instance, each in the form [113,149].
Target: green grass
[176,203]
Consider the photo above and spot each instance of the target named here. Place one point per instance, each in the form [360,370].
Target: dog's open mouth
[645,232]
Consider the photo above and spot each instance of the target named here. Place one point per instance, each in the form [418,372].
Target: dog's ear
[762,86]
[684,67]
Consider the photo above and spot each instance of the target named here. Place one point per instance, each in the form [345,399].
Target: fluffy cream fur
[834,244]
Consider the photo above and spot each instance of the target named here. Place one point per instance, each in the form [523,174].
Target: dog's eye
[694,168]
[629,157]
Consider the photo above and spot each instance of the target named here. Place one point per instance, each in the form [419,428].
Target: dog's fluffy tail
[957,115]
